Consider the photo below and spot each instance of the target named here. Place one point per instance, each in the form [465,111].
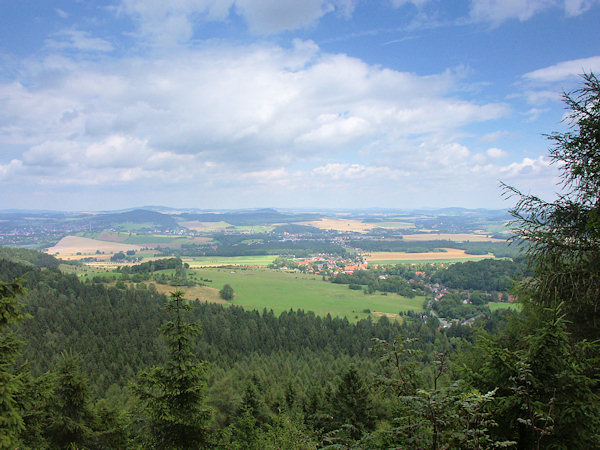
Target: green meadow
[282,291]
[259,260]
[494,306]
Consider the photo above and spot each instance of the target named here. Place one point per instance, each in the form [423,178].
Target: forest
[85,365]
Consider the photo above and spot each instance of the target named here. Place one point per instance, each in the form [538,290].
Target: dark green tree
[11,421]
[352,408]
[563,236]
[70,418]
[227,292]
[173,395]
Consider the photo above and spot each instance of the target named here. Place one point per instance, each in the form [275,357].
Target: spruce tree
[563,237]
[351,405]
[11,421]
[173,395]
[70,418]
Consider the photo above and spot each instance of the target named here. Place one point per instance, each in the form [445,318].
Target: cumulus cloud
[250,106]
[167,23]
[274,16]
[255,118]
[527,167]
[564,70]
[495,153]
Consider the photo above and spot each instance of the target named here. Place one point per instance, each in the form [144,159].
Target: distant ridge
[138,216]
[250,217]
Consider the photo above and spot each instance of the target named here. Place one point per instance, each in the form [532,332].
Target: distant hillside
[254,217]
[139,216]
[27,257]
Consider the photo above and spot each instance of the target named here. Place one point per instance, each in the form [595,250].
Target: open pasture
[216,261]
[494,306]
[282,291]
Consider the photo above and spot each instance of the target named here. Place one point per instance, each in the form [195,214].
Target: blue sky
[285,103]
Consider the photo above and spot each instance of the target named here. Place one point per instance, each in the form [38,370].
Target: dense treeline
[485,275]
[116,330]
[298,249]
[373,280]
[261,364]
[27,256]
[152,266]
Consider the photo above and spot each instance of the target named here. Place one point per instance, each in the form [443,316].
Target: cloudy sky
[284,103]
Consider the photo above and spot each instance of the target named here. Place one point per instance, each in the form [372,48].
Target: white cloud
[78,40]
[417,3]
[493,136]
[8,171]
[497,11]
[353,172]
[528,167]
[274,16]
[168,23]
[234,117]
[495,153]
[62,14]
[564,70]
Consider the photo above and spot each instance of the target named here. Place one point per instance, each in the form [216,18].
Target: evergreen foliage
[173,395]
[11,420]
[564,235]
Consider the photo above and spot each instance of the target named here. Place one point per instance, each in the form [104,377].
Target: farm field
[281,291]
[456,237]
[69,246]
[215,261]
[450,255]
[209,227]
[394,225]
[343,225]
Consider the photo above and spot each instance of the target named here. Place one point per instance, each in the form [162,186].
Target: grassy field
[494,306]
[280,291]
[215,261]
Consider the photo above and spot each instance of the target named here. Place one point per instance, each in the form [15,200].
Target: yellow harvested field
[341,225]
[392,316]
[458,237]
[69,246]
[450,253]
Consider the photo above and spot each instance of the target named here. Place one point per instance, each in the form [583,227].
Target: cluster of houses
[333,265]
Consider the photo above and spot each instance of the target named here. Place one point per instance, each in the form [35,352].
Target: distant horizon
[158,208]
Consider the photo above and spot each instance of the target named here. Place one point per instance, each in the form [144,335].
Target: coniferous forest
[85,365]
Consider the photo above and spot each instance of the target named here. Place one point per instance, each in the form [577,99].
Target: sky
[226,104]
